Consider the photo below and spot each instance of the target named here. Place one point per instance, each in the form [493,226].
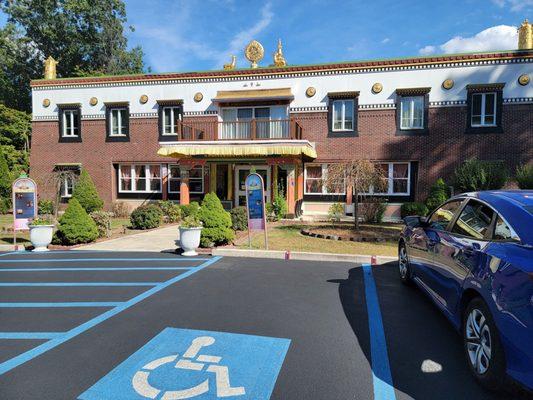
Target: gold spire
[50,68]
[232,64]
[279,60]
[525,36]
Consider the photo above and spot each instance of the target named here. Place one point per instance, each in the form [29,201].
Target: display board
[24,202]
[255,205]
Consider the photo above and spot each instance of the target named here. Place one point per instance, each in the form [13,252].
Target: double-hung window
[484,108]
[196,179]
[117,122]
[412,112]
[483,112]
[69,123]
[342,115]
[140,178]
[316,181]
[171,119]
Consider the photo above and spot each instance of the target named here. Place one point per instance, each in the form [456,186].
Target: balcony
[254,129]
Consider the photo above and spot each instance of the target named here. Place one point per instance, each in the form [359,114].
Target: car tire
[404,267]
[484,353]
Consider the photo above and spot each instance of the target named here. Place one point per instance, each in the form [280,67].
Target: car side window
[502,231]
[442,216]
[474,220]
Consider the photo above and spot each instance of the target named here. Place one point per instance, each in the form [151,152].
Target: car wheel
[404,267]
[483,349]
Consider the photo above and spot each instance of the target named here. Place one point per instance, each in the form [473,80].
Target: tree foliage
[216,222]
[15,128]
[86,193]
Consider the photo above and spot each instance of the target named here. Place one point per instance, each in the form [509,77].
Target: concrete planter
[41,236]
[190,240]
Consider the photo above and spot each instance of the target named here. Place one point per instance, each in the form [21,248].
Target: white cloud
[386,40]
[514,5]
[501,37]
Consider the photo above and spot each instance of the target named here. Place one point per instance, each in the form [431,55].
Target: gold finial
[279,60]
[254,52]
[50,68]
[232,64]
[525,36]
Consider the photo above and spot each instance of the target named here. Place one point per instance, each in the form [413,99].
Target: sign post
[255,204]
[24,204]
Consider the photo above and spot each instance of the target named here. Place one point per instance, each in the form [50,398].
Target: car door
[459,250]
[422,241]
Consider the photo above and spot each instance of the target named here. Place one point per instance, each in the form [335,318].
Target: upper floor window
[170,113]
[171,119]
[139,178]
[412,112]
[69,123]
[118,122]
[342,113]
[259,122]
[483,109]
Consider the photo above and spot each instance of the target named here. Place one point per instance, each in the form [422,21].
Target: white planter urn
[190,240]
[41,236]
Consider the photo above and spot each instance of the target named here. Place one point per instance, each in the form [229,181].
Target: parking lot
[108,325]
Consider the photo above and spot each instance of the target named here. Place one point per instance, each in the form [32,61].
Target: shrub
[335,212]
[277,209]
[146,217]
[372,210]
[413,209]
[171,211]
[102,219]
[191,221]
[120,209]
[46,207]
[190,209]
[76,226]
[85,192]
[43,220]
[239,219]
[524,176]
[474,175]
[216,221]
[5,205]
[439,192]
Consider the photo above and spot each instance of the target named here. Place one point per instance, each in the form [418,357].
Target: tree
[360,176]
[15,128]
[76,226]
[216,222]
[5,179]
[85,192]
[56,180]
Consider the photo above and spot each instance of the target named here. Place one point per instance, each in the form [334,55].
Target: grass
[288,237]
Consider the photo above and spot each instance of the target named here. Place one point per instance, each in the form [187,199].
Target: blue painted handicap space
[185,364]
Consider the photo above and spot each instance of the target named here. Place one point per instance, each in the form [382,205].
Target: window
[118,122]
[171,119]
[71,123]
[398,179]
[440,219]
[342,115]
[474,220]
[137,178]
[502,231]
[316,178]
[270,122]
[67,186]
[196,179]
[483,111]
[412,112]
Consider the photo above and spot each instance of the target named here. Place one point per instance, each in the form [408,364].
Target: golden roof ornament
[232,64]
[525,36]
[50,68]
[254,52]
[279,60]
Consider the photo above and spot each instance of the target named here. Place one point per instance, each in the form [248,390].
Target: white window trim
[343,115]
[71,114]
[133,176]
[64,190]
[412,109]
[121,127]
[323,183]
[390,180]
[179,179]
[483,115]
[173,125]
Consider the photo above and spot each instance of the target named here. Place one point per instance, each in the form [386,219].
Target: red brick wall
[438,153]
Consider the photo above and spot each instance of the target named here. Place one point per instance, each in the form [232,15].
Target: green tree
[15,128]
[5,178]
[76,226]
[85,192]
[216,222]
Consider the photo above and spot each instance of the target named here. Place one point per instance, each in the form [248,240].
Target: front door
[241,172]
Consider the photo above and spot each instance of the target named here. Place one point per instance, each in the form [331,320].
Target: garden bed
[366,233]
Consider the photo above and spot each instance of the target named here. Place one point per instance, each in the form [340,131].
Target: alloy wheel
[478,341]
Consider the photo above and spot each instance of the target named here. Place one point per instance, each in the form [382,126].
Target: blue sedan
[473,256]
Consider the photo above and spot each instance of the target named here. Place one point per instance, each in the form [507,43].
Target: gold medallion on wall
[377,88]
[523,79]
[143,99]
[93,101]
[198,97]
[46,103]
[310,92]
[448,84]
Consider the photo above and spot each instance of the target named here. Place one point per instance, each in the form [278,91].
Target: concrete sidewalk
[162,239]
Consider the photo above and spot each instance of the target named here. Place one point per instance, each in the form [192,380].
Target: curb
[297,255]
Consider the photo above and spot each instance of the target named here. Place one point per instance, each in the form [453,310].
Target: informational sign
[24,202]
[255,204]
[189,364]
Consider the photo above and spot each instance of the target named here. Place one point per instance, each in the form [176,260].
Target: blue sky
[187,35]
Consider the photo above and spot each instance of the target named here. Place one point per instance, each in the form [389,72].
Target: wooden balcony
[255,129]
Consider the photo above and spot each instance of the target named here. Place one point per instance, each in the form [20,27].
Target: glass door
[241,172]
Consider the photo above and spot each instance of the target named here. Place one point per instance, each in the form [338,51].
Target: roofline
[293,69]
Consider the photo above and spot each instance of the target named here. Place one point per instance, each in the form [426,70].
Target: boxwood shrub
[146,217]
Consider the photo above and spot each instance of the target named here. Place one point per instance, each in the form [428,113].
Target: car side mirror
[415,221]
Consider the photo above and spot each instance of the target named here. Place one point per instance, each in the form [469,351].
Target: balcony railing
[254,129]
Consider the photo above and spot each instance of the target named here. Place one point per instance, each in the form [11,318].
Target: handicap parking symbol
[189,364]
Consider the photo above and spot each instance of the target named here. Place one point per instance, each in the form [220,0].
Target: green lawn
[288,237]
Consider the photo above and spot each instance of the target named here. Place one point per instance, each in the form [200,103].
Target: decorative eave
[343,95]
[483,87]
[116,103]
[68,105]
[253,95]
[376,65]
[174,102]
[418,91]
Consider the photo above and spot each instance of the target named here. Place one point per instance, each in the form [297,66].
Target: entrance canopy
[218,149]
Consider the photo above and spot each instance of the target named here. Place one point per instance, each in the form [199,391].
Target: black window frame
[333,96]
[161,105]
[480,89]
[412,92]
[114,106]
[61,110]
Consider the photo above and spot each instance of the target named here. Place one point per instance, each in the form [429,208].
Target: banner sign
[24,202]
[255,204]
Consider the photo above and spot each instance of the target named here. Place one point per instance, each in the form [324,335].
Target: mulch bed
[364,234]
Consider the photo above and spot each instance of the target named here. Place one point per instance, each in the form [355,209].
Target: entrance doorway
[241,172]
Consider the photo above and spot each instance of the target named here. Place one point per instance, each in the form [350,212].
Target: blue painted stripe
[37,351]
[30,335]
[50,260]
[75,284]
[381,374]
[98,269]
[9,253]
[62,305]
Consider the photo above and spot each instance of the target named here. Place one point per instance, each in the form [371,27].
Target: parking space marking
[97,269]
[76,284]
[30,335]
[50,260]
[63,305]
[381,373]
[58,340]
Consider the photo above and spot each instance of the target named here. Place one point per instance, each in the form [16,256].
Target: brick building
[180,135]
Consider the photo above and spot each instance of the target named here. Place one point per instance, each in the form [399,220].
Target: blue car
[473,256]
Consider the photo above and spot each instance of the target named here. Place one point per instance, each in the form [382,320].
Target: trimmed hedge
[524,176]
[239,219]
[85,192]
[216,222]
[76,226]
[146,217]
[474,175]
[414,209]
